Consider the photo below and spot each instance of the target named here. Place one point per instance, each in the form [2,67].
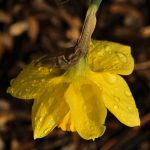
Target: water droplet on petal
[11,82]
[38,127]
[46,131]
[42,104]
[34,81]
[101,53]
[115,106]
[32,84]
[129,108]
[35,118]
[40,119]
[50,70]
[39,69]
[100,88]
[108,49]
[12,90]
[122,57]
[111,78]
[117,99]
[127,93]
[43,80]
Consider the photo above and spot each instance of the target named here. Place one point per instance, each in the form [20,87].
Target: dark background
[30,27]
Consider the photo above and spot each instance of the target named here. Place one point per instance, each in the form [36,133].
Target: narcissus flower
[77,99]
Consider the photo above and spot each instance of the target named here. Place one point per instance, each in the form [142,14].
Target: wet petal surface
[49,109]
[110,57]
[31,81]
[87,110]
[118,98]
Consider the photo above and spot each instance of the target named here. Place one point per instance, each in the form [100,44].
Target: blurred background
[29,27]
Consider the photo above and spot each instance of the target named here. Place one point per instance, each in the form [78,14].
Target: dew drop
[11,82]
[36,119]
[37,126]
[129,108]
[107,49]
[127,93]
[40,68]
[26,90]
[117,99]
[122,57]
[50,70]
[43,80]
[32,84]
[101,53]
[19,93]
[12,90]
[42,104]
[111,78]
[40,119]
[115,106]
[46,130]
[34,81]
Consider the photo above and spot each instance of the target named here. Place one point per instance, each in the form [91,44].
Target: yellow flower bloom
[77,99]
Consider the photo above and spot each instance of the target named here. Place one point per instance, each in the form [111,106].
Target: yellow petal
[87,108]
[67,124]
[118,98]
[110,57]
[49,109]
[31,81]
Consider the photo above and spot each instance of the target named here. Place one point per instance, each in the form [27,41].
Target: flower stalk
[81,48]
[88,28]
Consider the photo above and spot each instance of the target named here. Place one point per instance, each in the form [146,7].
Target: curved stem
[83,43]
[82,46]
[96,2]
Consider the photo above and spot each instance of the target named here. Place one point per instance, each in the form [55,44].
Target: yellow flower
[77,99]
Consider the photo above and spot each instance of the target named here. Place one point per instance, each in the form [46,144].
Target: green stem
[88,29]
[82,46]
[96,2]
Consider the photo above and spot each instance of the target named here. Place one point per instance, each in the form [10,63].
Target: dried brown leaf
[4,17]
[33,28]
[18,28]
